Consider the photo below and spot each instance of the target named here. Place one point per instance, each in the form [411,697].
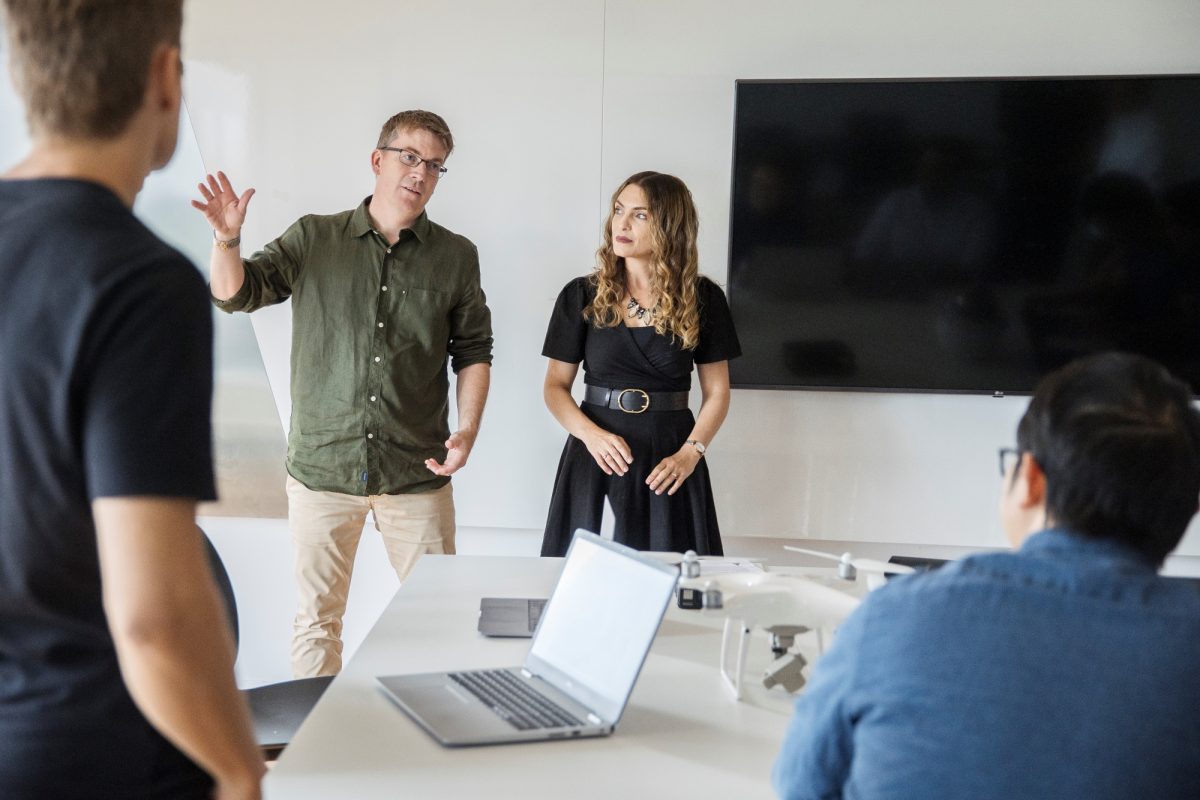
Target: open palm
[458,448]
[222,207]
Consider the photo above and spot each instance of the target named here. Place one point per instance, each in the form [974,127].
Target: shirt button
[385,288]
[389,250]
[370,436]
[372,398]
[381,324]
[376,359]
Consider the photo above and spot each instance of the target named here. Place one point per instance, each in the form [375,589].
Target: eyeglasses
[411,159]
[1009,457]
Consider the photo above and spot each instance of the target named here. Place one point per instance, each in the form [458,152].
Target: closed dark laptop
[583,662]
[510,616]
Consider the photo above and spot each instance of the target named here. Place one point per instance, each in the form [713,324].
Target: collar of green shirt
[360,223]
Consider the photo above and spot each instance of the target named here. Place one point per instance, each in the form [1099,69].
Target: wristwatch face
[698,445]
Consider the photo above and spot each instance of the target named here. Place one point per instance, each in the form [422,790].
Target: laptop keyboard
[513,701]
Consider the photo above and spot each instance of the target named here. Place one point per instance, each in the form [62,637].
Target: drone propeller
[846,560]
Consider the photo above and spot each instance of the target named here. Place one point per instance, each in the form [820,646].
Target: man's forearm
[226,273]
[471,395]
[179,670]
[172,636]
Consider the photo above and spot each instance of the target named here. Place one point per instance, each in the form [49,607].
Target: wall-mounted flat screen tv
[963,235]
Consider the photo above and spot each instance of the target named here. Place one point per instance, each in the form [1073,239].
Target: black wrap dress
[635,358]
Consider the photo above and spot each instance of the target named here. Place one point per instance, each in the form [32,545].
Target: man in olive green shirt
[381,299]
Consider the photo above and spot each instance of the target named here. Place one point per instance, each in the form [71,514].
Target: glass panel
[250,443]
[249,439]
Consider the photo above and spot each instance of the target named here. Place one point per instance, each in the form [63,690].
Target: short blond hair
[82,66]
[417,120]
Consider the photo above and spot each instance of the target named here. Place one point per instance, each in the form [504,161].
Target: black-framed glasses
[1009,457]
[411,159]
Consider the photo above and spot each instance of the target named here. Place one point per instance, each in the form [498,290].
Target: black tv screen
[963,235]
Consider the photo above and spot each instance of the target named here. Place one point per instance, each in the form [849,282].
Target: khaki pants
[326,527]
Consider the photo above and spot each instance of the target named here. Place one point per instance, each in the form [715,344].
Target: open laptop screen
[603,616]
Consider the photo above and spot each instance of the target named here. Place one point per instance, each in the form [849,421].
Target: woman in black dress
[638,322]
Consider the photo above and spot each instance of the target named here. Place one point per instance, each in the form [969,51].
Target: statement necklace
[637,310]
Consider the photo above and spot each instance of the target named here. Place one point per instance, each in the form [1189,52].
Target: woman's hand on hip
[610,451]
[673,470]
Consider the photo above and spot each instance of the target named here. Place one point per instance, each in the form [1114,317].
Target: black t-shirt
[105,391]
[624,357]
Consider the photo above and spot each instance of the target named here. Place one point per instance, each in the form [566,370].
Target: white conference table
[682,734]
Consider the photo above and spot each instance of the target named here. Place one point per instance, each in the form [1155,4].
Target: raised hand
[222,207]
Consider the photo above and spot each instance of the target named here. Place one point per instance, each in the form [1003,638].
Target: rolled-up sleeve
[470,322]
[270,273]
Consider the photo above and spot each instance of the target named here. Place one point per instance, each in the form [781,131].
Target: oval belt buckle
[645,401]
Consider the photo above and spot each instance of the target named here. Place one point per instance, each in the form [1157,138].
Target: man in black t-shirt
[116,676]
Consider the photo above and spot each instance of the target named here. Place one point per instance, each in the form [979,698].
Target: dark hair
[82,66]
[1119,441]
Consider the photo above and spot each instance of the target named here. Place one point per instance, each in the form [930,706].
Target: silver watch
[699,445]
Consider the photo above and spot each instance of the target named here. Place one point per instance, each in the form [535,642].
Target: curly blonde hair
[674,268]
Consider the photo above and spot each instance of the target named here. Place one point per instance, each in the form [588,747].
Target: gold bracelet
[227,245]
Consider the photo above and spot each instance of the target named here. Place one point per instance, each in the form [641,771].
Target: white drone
[849,566]
[785,606]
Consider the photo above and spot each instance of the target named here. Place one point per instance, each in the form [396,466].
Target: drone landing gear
[788,668]
[733,681]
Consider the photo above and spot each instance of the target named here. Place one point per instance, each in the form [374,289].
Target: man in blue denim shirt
[1066,669]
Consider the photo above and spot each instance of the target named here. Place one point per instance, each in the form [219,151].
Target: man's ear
[1030,485]
[376,161]
[166,79]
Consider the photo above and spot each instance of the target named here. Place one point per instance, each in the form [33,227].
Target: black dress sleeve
[718,338]
[567,332]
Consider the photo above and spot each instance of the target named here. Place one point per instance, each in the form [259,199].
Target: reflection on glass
[250,444]
[249,440]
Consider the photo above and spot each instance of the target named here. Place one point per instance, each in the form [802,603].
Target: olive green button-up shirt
[373,327]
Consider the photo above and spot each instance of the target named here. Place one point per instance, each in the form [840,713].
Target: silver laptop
[585,657]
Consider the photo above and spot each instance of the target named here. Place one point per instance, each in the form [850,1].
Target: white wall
[290,100]
[552,104]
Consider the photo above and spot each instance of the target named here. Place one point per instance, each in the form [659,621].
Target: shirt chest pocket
[421,318]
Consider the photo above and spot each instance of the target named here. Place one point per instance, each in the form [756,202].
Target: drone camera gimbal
[788,669]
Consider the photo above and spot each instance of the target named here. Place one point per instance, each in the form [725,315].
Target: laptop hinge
[526,674]
[592,718]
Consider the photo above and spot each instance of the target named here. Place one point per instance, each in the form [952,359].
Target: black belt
[635,401]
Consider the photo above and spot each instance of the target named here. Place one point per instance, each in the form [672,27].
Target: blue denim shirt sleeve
[814,761]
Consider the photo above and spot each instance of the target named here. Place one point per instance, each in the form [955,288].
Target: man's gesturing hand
[458,447]
[223,209]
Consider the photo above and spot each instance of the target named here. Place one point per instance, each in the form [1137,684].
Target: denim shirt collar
[1062,543]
